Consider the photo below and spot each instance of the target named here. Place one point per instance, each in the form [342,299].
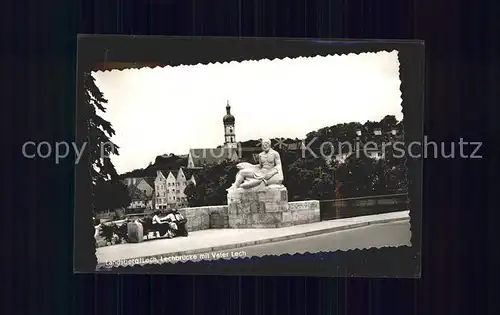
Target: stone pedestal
[135,232]
[261,207]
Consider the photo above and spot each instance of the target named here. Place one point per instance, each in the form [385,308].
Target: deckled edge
[307,255]
[134,66]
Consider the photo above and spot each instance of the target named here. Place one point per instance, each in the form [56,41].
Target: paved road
[378,235]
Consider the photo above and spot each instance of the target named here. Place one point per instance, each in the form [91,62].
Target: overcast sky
[172,109]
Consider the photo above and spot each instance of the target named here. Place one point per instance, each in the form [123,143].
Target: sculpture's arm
[245,165]
[258,165]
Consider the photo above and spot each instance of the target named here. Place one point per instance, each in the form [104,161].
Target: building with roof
[165,191]
[198,158]
[229,132]
[170,186]
[141,191]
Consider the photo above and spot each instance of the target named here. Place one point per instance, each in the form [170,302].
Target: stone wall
[202,218]
[302,212]
[216,217]
[360,206]
[219,220]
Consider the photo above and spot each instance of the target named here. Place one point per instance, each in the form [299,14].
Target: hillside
[162,162]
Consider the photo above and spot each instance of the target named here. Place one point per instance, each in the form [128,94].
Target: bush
[114,234]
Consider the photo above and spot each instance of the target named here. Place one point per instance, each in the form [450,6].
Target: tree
[110,195]
[193,195]
[211,185]
[299,178]
[99,144]
[388,123]
[309,178]
[357,176]
[394,169]
[100,148]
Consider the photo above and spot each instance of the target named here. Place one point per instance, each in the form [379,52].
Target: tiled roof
[166,172]
[187,172]
[136,194]
[129,181]
[212,156]
[150,181]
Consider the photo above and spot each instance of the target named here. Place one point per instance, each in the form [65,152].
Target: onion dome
[228,118]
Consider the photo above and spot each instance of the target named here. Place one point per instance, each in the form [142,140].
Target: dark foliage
[114,233]
[107,192]
[110,195]
[211,185]
[99,145]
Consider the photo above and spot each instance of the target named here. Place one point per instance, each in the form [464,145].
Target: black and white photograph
[250,158]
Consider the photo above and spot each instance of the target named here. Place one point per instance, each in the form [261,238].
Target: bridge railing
[353,207]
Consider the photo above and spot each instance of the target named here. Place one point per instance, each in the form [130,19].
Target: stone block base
[262,207]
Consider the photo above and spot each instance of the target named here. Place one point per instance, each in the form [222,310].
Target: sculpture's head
[266,145]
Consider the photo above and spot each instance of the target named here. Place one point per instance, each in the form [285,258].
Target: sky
[172,109]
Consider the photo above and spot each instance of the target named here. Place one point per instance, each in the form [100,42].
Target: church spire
[229,133]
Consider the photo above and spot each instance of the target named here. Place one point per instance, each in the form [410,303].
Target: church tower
[229,133]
